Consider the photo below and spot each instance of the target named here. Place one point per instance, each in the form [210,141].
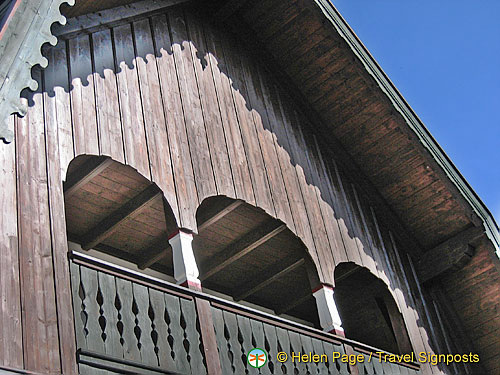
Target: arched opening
[368,311]
[244,253]
[112,209]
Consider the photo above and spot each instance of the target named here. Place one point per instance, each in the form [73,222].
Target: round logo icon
[257,358]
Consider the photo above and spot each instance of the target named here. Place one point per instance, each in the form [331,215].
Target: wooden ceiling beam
[241,247]
[216,214]
[83,175]
[126,212]
[453,253]
[268,276]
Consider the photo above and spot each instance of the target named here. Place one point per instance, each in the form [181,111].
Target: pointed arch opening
[368,311]
[247,255]
[112,209]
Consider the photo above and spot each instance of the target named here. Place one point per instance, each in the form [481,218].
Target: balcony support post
[186,274]
[185,269]
[329,317]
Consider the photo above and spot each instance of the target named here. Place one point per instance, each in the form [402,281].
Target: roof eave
[412,120]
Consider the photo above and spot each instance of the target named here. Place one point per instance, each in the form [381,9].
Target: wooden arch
[368,309]
[248,254]
[113,208]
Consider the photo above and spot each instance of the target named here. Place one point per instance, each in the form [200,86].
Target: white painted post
[185,269]
[329,317]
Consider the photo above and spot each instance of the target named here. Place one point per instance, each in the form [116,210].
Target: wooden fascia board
[28,28]
[414,123]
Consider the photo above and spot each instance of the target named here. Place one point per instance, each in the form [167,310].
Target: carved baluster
[322,367]
[176,337]
[233,344]
[271,347]
[192,337]
[78,293]
[92,310]
[160,330]
[109,315]
[284,346]
[248,342]
[296,347]
[140,307]
[222,343]
[259,339]
[129,340]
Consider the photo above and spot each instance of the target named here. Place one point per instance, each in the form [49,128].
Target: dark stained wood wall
[186,106]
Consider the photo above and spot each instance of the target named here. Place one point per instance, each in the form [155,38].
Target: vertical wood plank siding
[182,103]
[11,340]
[39,315]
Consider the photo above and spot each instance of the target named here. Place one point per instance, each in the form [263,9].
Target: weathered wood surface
[58,144]
[183,104]
[124,320]
[11,341]
[38,299]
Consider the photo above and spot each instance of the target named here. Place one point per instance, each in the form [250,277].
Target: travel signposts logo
[257,358]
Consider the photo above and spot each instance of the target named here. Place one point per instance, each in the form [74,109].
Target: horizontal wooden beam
[126,212]
[453,253]
[293,303]
[214,215]
[83,175]
[155,252]
[268,276]
[241,247]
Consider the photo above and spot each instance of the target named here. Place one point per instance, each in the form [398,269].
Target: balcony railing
[128,323]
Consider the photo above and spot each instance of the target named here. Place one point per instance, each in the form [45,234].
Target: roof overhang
[320,54]
[353,100]
[412,121]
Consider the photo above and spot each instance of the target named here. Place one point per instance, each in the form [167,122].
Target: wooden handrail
[165,286]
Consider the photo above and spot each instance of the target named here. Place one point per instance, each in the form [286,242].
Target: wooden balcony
[129,323]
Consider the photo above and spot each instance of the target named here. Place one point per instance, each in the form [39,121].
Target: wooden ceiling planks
[142,239]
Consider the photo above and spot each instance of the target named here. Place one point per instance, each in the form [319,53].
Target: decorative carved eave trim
[27,30]
[414,123]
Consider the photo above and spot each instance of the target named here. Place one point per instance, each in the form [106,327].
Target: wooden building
[182,181]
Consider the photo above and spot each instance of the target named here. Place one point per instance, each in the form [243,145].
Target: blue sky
[444,57]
